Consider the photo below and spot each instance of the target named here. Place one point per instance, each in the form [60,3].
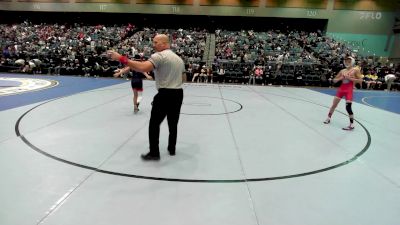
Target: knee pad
[348,108]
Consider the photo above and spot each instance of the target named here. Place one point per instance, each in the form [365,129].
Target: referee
[168,73]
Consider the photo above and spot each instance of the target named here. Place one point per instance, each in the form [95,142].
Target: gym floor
[70,154]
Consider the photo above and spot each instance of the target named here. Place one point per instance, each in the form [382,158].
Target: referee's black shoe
[148,157]
[171,152]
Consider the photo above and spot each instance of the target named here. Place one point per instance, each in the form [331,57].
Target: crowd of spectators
[72,49]
[77,49]
[245,56]
[291,57]
[189,44]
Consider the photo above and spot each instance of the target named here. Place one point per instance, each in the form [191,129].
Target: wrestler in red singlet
[347,86]
[348,77]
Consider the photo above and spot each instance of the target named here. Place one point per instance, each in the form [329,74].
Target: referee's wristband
[124,60]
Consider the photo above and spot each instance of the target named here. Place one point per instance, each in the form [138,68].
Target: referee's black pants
[166,103]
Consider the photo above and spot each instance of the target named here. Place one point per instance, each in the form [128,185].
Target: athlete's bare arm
[338,77]
[122,71]
[147,76]
[356,76]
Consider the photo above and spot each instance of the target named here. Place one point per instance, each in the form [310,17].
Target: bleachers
[284,57]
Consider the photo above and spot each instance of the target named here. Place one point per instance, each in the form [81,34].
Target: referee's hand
[113,55]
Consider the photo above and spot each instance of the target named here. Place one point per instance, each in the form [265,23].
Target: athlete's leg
[349,100]
[139,98]
[335,103]
[135,100]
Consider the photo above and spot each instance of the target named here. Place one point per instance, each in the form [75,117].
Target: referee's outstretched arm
[144,66]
